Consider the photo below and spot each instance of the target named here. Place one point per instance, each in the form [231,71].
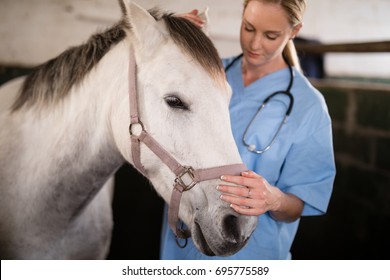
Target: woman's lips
[253,54]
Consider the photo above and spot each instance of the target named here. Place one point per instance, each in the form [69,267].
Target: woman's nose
[256,42]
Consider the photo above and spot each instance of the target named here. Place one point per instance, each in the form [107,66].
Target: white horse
[65,131]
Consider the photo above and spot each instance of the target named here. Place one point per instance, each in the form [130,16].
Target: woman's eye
[248,29]
[175,102]
[271,36]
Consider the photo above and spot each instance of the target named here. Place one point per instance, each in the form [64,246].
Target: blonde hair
[294,10]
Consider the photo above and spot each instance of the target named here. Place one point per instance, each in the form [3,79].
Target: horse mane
[53,80]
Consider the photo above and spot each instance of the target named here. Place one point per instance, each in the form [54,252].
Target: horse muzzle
[223,236]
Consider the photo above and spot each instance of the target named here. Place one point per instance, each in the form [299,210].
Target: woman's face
[265,31]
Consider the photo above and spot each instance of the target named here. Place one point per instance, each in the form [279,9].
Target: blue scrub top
[300,161]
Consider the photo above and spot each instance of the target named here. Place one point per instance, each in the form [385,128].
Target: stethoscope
[252,147]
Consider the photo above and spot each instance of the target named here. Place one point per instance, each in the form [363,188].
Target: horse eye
[175,102]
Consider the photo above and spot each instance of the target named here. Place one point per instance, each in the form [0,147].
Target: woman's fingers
[194,12]
[245,210]
[232,190]
[194,17]
[250,174]
[243,205]
[248,179]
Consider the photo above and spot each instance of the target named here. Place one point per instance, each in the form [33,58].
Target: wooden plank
[367,47]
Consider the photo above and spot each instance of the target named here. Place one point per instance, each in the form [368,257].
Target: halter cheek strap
[186,176]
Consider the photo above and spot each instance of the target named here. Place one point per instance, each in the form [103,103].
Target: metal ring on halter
[139,123]
[182,231]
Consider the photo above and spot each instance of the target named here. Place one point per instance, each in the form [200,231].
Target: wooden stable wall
[357,224]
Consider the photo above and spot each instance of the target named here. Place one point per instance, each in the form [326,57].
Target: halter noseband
[186,176]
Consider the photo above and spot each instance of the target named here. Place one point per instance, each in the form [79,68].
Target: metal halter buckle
[186,179]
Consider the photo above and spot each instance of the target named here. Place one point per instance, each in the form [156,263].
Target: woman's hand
[254,196]
[194,17]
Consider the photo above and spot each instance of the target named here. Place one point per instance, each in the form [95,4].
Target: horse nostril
[231,229]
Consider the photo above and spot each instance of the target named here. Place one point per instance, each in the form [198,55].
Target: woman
[293,168]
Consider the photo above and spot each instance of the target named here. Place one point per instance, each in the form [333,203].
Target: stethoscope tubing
[251,147]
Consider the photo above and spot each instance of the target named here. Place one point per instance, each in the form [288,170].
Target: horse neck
[73,144]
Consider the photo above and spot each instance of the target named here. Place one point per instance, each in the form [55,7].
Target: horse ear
[123,5]
[205,16]
[143,26]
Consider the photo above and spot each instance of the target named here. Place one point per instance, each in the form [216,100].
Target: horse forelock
[194,42]
[52,81]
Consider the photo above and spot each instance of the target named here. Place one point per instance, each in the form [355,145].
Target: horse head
[183,101]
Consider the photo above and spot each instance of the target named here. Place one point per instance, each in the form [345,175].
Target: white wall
[334,21]
[32,31]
